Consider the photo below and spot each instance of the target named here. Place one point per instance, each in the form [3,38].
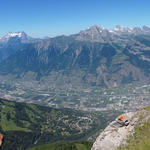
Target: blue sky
[40,18]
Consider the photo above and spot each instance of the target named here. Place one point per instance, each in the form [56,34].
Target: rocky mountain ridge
[99,57]
[99,34]
[22,36]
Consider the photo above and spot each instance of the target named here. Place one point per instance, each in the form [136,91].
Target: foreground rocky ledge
[116,134]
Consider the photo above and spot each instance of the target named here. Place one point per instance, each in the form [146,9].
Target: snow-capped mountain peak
[121,29]
[20,35]
[15,34]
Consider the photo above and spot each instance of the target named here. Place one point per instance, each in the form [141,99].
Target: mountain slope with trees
[24,125]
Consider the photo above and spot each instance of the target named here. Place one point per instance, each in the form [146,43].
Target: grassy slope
[7,114]
[141,138]
[65,146]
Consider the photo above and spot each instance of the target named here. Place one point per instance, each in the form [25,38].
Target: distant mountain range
[96,56]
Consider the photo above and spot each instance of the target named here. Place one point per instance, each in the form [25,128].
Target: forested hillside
[25,125]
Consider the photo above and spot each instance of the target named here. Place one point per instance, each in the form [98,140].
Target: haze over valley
[96,69]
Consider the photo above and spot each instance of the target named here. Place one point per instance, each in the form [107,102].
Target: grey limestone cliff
[116,134]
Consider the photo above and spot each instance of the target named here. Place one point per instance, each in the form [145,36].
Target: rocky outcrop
[116,134]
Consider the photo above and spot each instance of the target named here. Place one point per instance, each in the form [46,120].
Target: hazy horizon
[34,36]
[53,18]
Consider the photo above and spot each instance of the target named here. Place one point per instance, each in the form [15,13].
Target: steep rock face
[116,135]
[94,34]
[10,47]
[14,42]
